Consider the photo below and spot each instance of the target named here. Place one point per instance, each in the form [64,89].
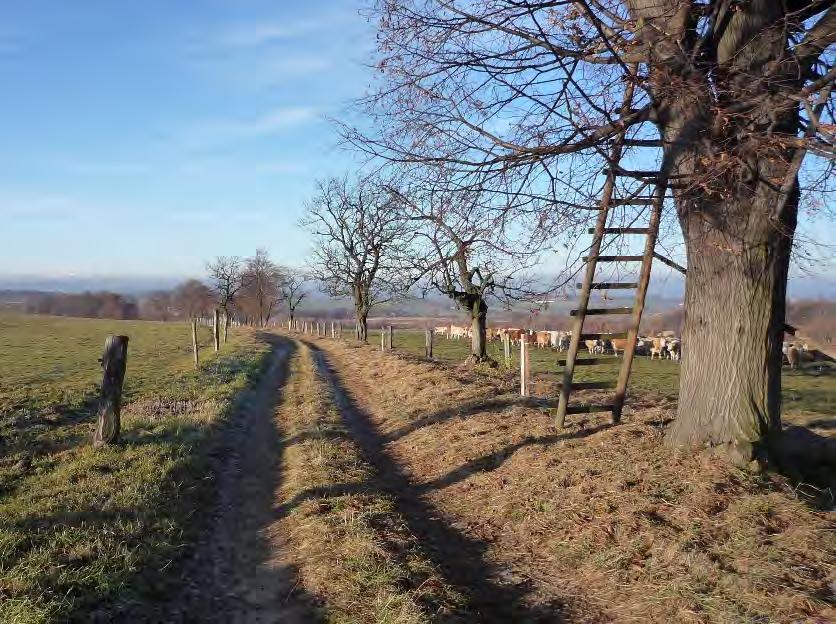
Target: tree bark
[361,317]
[730,381]
[114,360]
[478,326]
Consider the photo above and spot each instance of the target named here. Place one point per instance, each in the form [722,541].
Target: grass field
[809,394]
[78,524]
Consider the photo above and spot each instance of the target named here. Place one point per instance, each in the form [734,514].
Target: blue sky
[144,138]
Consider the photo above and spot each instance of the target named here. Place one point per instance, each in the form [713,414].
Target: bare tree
[192,298]
[465,248]
[292,288]
[360,240]
[528,97]
[228,278]
[260,294]
[157,306]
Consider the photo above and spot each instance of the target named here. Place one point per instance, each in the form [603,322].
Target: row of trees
[514,107]
[101,304]
[380,238]
[252,289]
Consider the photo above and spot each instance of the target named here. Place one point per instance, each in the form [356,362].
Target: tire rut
[238,571]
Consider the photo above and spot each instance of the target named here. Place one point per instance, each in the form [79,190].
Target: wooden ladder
[651,193]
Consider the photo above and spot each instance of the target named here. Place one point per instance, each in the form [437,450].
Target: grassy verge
[81,527]
[353,551]
[606,519]
[809,394]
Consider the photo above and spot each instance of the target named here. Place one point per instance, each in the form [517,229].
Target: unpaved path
[494,594]
[238,572]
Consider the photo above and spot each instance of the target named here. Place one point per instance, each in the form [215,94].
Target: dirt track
[522,522]
[238,571]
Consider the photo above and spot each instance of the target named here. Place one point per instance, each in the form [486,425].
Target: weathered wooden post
[428,342]
[333,330]
[195,348]
[382,338]
[216,330]
[113,360]
[391,333]
[525,365]
[506,344]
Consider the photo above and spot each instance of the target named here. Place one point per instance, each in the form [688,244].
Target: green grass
[809,395]
[80,527]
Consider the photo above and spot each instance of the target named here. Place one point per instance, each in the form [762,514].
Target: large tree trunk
[730,384]
[478,325]
[736,190]
[361,316]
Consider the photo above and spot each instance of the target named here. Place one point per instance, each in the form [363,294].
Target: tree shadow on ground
[468,409]
[808,460]
[492,461]
[463,561]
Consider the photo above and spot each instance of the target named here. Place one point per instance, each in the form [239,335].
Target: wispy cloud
[265,32]
[257,34]
[216,133]
[282,168]
[109,168]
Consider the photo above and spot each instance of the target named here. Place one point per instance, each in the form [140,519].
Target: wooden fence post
[428,342]
[525,365]
[382,338]
[195,348]
[391,338]
[113,360]
[216,330]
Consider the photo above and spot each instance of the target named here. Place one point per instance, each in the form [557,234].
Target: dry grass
[354,552]
[599,516]
[83,528]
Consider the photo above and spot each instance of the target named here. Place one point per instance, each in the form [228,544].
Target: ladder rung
[642,143]
[670,263]
[591,385]
[581,362]
[627,173]
[637,201]
[586,409]
[599,311]
[615,258]
[625,230]
[610,285]
[596,336]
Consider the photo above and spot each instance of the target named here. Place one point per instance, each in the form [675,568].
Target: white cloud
[281,168]
[109,168]
[216,133]
[265,32]
[258,34]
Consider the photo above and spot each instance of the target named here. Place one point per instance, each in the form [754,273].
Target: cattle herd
[666,345]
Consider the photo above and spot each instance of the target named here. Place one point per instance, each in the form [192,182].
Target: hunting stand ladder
[651,193]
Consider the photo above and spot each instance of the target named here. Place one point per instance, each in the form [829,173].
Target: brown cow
[793,356]
[618,344]
[543,339]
